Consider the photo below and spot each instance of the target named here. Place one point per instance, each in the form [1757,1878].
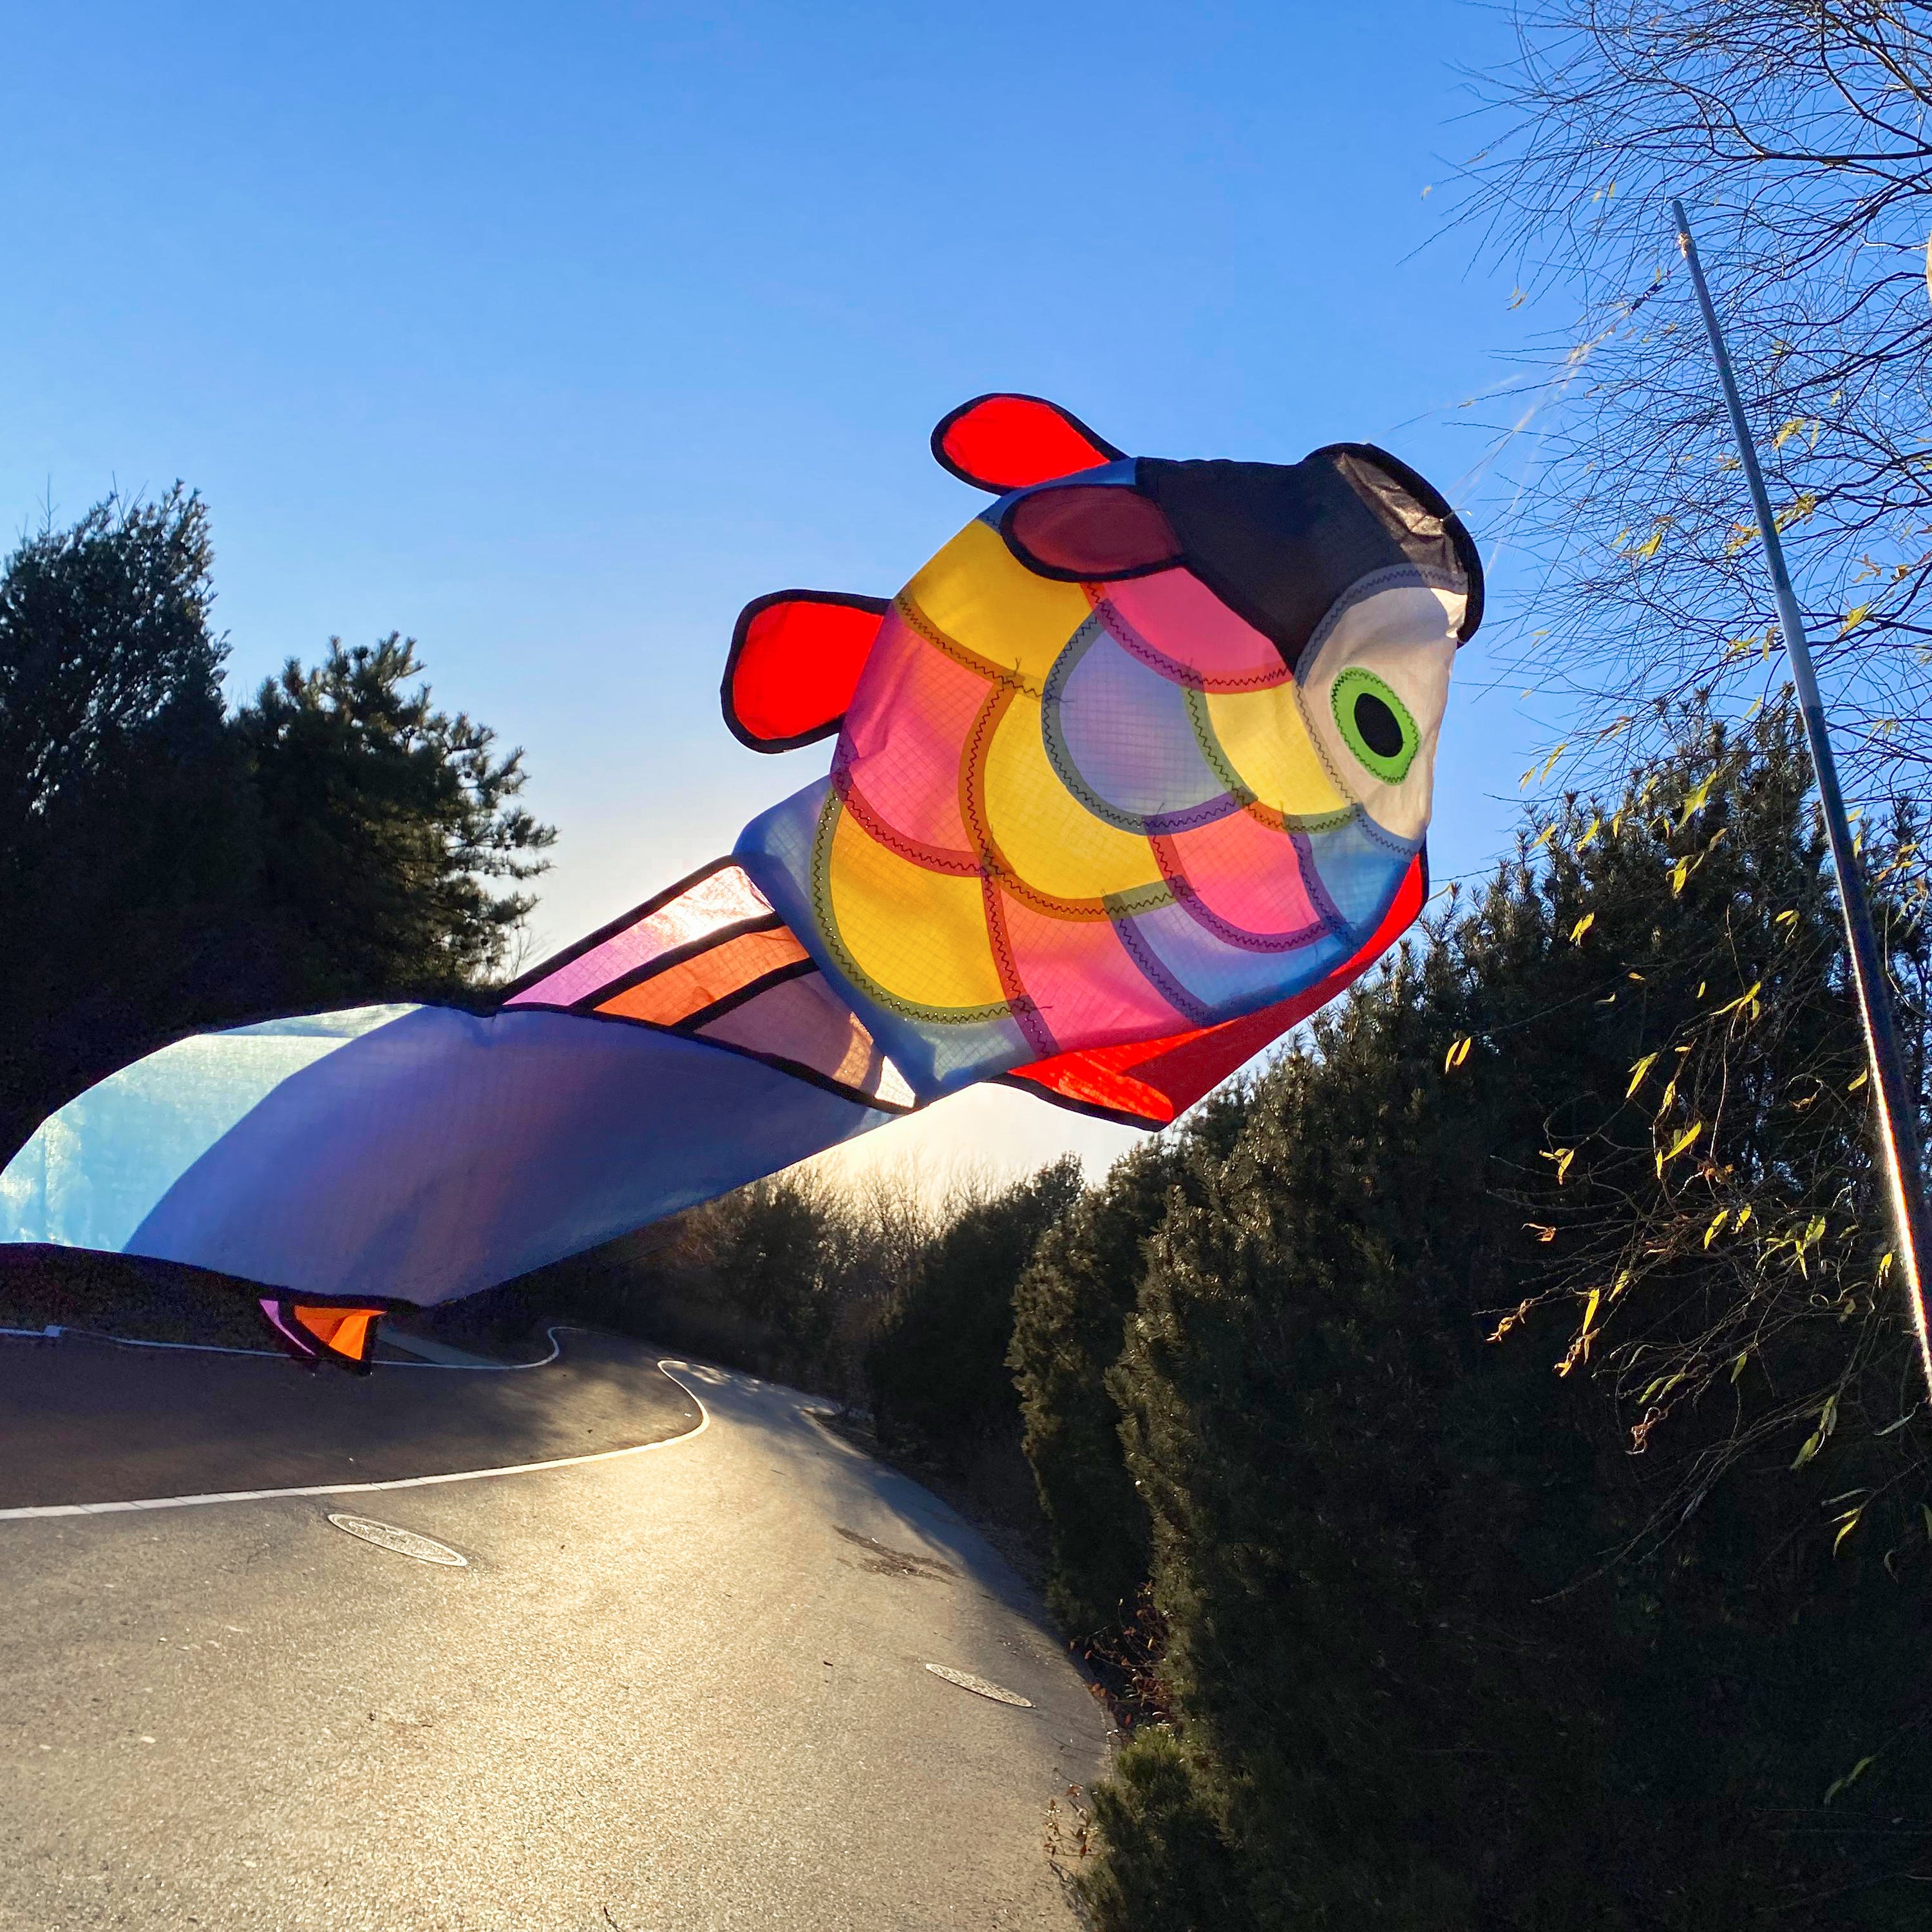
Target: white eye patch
[1373,689]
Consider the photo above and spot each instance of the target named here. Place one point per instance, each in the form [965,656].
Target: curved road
[683,1687]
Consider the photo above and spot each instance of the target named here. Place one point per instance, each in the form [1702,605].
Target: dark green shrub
[1443,1651]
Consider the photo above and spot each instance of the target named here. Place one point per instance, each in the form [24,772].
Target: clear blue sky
[550,335]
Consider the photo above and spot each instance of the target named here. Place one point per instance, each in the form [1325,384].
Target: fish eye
[1375,724]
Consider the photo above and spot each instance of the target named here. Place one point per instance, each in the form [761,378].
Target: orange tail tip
[314,1332]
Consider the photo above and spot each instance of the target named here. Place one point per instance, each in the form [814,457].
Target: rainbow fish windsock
[1131,777]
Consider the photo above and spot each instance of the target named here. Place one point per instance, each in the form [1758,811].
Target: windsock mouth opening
[1438,508]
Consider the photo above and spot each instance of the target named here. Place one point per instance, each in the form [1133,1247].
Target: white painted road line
[980,1687]
[444,1358]
[35,1511]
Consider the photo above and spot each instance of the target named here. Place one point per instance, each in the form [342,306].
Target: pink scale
[905,738]
[1080,977]
[1174,624]
[1247,874]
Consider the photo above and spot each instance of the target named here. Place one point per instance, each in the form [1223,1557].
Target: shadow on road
[84,1421]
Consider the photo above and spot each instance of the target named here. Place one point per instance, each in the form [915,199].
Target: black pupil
[1377,724]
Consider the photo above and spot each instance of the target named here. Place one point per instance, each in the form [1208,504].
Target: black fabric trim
[878,606]
[1433,500]
[1092,1109]
[577,949]
[798,969]
[938,438]
[778,1063]
[692,949]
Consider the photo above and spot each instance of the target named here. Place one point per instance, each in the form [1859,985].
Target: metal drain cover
[404,1542]
[980,1687]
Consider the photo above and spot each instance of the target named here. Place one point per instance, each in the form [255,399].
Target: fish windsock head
[1353,566]
[1146,748]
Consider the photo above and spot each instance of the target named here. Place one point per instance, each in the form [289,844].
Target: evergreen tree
[385,822]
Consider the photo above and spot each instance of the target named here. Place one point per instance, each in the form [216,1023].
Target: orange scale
[1249,876]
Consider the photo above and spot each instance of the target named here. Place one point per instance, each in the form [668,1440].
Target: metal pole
[1897,1110]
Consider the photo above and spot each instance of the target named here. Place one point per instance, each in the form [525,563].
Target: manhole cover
[404,1542]
[980,1687]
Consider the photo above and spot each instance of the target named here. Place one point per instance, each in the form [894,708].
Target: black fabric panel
[1277,543]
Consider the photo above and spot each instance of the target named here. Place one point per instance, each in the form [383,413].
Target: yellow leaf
[1742,1000]
[1828,1420]
[1854,618]
[1716,1228]
[1698,799]
[1677,1147]
[1458,1052]
[1855,1085]
[1637,1072]
[1849,1523]
[1582,926]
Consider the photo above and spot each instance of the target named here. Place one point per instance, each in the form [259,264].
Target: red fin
[314,1332]
[1006,441]
[796,658]
[1150,1083]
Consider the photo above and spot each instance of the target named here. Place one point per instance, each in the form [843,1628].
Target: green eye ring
[1374,724]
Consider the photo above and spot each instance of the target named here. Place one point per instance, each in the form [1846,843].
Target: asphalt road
[682,1687]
